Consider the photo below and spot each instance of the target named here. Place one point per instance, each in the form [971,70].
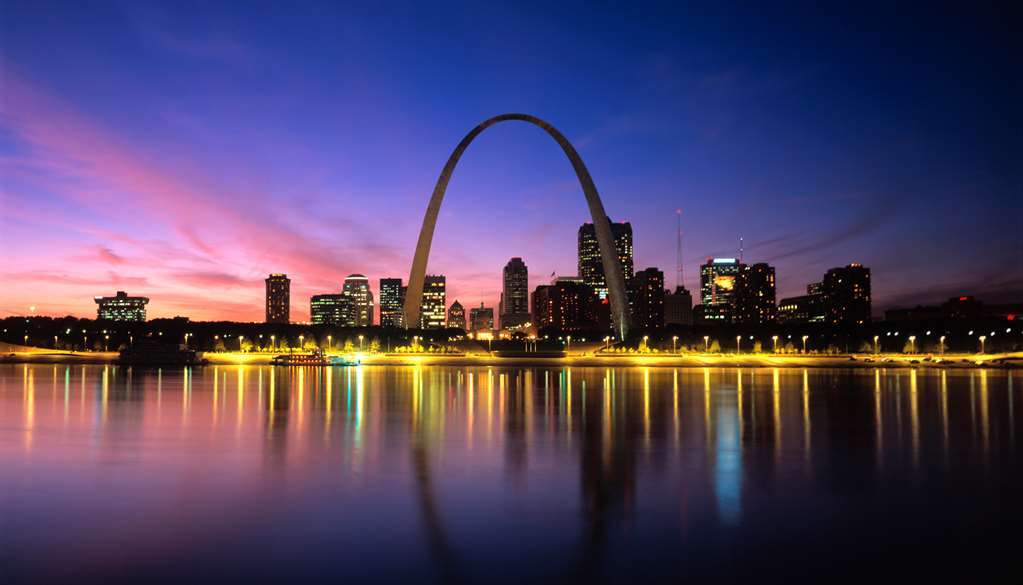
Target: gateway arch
[609,257]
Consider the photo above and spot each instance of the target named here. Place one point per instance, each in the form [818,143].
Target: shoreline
[959,361]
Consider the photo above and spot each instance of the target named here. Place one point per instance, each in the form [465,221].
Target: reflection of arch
[609,257]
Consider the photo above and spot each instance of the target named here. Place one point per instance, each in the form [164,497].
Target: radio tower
[679,280]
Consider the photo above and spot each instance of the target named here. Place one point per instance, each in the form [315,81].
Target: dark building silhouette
[591,268]
[392,300]
[121,307]
[481,318]
[648,299]
[456,316]
[514,307]
[755,295]
[847,294]
[278,298]
[330,309]
[678,307]
[567,304]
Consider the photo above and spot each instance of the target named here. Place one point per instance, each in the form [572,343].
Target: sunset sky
[183,151]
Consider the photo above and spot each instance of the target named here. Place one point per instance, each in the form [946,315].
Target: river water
[518,475]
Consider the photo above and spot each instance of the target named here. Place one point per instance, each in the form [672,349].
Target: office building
[591,267]
[278,298]
[392,302]
[648,299]
[456,316]
[678,307]
[847,290]
[481,319]
[809,308]
[718,283]
[330,309]
[356,287]
[434,304]
[514,307]
[121,307]
[755,295]
[567,304]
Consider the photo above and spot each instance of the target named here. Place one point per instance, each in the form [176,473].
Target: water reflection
[591,463]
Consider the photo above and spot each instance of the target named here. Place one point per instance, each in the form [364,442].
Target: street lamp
[607,342]
[85,341]
[876,338]
[54,342]
[360,342]
[805,337]
[26,339]
[273,342]
[706,344]
[106,343]
[569,343]
[645,338]
[941,345]
[330,342]
[774,341]
[674,343]
[738,343]
[241,338]
[301,342]
[982,339]
[912,344]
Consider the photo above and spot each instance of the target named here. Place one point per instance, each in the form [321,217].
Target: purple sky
[183,151]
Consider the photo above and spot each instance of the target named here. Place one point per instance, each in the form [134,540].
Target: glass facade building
[392,302]
[330,309]
[591,267]
[356,288]
[515,295]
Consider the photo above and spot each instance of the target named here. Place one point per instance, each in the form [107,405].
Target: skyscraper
[481,318]
[648,299]
[718,283]
[434,304]
[121,307]
[392,302]
[515,297]
[847,294]
[456,316]
[591,268]
[278,298]
[330,309]
[356,288]
[755,295]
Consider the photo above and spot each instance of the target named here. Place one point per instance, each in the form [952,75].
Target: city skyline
[109,184]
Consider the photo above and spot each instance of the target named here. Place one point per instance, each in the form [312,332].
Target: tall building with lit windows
[356,287]
[278,298]
[591,267]
[648,299]
[718,285]
[755,295]
[392,302]
[456,316]
[847,294]
[434,304]
[514,307]
[567,304]
[121,307]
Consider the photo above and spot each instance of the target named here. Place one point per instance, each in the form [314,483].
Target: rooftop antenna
[679,279]
[740,249]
